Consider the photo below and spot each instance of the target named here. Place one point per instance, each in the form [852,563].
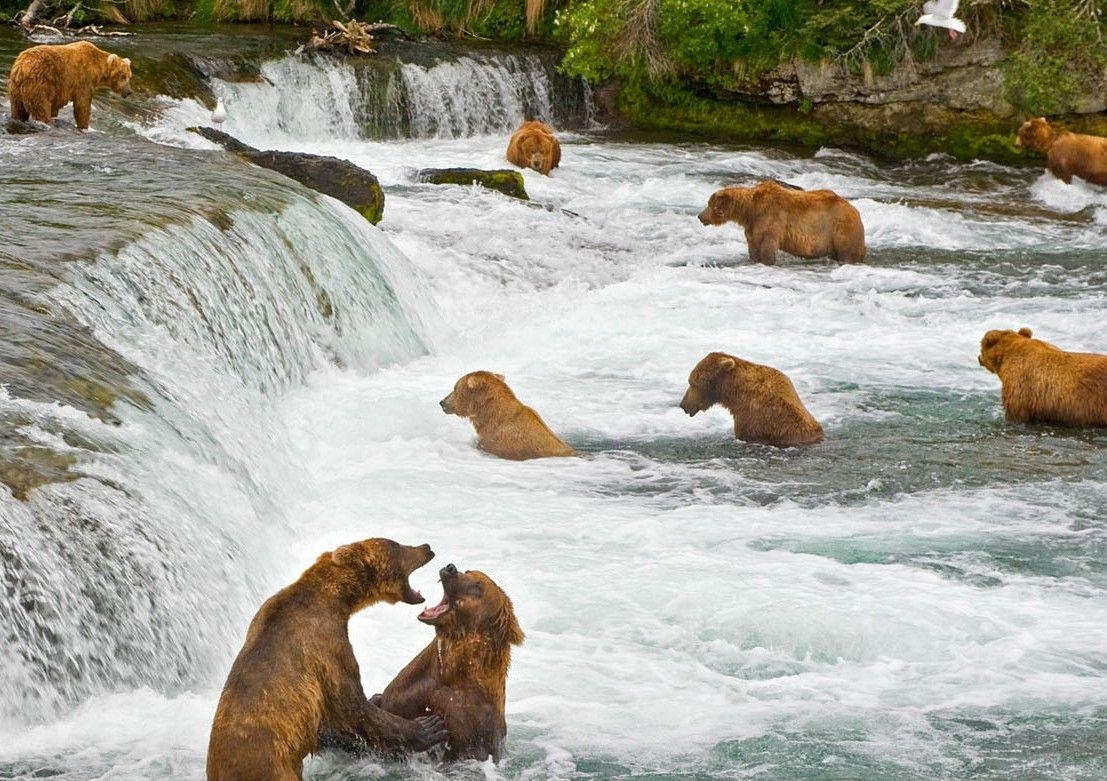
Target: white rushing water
[921,596]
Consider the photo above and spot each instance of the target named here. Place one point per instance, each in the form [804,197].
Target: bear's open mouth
[432,614]
[411,596]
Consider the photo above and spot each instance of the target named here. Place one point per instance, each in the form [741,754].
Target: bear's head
[995,345]
[473,391]
[706,383]
[728,204]
[117,76]
[375,570]
[1035,135]
[473,605]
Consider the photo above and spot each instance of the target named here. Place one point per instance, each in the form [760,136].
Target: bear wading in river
[1042,383]
[762,400]
[776,217]
[462,674]
[534,145]
[296,676]
[505,426]
[44,79]
[1067,154]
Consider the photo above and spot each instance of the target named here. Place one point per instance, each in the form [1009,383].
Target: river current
[923,595]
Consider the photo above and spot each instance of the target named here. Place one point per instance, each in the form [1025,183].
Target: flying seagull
[940,13]
[220,113]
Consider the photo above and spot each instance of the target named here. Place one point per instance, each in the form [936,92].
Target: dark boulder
[341,179]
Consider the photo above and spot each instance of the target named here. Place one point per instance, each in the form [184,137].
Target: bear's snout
[705,216]
[126,91]
[447,404]
[448,571]
[689,405]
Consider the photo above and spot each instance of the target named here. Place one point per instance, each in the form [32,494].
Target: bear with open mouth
[462,675]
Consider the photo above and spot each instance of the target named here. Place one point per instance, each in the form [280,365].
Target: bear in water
[505,426]
[296,676]
[462,674]
[1042,383]
[808,224]
[44,79]
[1067,154]
[763,401]
[534,145]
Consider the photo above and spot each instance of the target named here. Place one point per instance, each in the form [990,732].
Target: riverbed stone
[354,186]
[502,180]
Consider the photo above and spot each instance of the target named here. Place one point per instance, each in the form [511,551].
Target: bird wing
[946,8]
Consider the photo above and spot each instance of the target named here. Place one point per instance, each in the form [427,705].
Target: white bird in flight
[940,13]
[219,114]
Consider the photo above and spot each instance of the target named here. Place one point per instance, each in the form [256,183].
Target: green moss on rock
[502,180]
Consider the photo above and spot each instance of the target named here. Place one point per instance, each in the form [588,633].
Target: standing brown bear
[46,78]
[462,674]
[505,426]
[534,145]
[1067,154]
[296,675]
[1045,384]
[808,224]
[763,401]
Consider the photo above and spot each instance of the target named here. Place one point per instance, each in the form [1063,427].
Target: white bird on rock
[940,13]
[219,115]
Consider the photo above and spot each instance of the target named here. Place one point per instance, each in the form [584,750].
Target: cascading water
[921,596]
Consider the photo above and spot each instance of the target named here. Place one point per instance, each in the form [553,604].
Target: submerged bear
[44,79]
[462,674]
[776,217]
[534,145]
[296,677]
[762,400]
[505,426]
[1045,384]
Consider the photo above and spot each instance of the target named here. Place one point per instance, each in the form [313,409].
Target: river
[236,374]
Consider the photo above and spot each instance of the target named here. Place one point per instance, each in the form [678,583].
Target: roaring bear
[505,426]
[534,145]
[1067,154]
[46,78]
[762,400]
[462,674]
[1045,384]
[808,224]
[296,675]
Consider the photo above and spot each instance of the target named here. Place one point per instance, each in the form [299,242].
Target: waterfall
[141,566]
[475,93]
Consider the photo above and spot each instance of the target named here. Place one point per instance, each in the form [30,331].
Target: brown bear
[534,145]
[809,224]
[505,426]
[1067,154]
[763,401]
[462,674]
[296,675]
[45,78]
[1045,384]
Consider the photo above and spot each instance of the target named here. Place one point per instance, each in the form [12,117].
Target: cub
[1045,384]
[296,675]
[462,674]
[808,224]
[505,426]
[763,401]
[44,79]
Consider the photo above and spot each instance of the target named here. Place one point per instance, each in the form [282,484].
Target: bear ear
[112,58]
[726,362]
[127,61]
[1025,332]
[499,377]
[472,382]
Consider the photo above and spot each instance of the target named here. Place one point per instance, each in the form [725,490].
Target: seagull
[940,13]
[220,113]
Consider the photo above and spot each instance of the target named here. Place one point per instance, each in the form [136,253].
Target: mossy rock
[501,180]
[340,179]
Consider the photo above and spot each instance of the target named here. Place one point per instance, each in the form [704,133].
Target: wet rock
[341,179]
[502,180]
